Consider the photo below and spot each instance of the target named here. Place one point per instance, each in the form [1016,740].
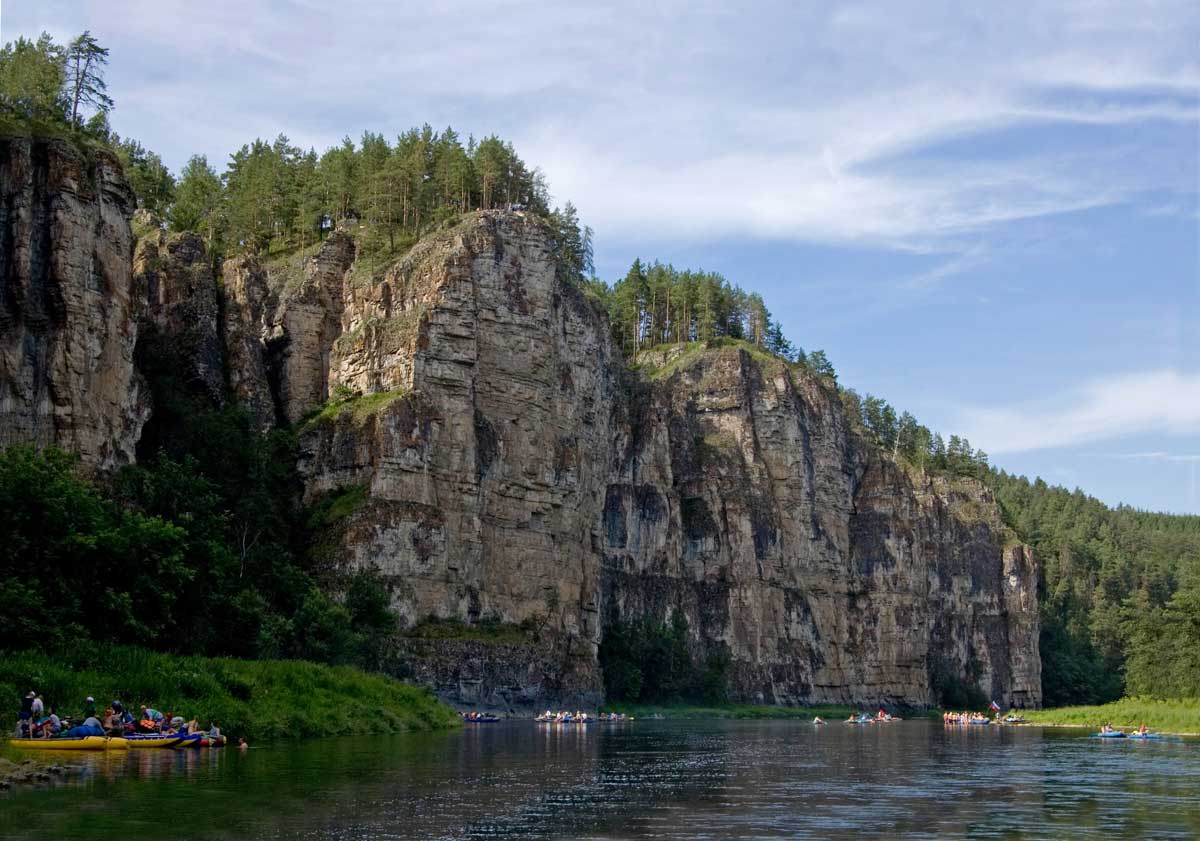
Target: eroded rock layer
[68,322]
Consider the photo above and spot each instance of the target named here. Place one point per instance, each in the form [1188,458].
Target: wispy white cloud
[1183,458]
[1165,402]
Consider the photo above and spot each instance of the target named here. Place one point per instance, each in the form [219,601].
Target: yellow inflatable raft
[77,743]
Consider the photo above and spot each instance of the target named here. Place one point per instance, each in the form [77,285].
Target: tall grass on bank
[738,711]
[259,699]
[1174,716]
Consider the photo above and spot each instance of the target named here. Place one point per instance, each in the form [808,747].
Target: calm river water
[647,779]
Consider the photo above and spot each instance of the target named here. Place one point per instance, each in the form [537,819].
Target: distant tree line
[658,304]
[276,196]
[1120,593]
[904,437]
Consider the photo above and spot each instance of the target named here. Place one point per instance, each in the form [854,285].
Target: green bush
[648,662]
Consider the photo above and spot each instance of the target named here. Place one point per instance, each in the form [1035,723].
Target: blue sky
[988,216]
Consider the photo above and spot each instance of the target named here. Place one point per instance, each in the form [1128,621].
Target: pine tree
[152,182]
[197,199]
[85,60]
[820,364]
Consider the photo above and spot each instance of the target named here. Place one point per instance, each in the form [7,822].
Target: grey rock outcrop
[173,277]
[68,322]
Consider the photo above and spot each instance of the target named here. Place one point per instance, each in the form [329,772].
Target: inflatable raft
[150,740]
[73,743]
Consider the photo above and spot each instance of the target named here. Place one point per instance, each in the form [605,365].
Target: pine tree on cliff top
[85,60]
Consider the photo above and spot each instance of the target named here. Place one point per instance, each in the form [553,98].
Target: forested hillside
[1120,594]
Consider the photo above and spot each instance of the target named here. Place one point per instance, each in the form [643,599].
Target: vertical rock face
[173,276]
[67,313]
[280,330]
[247,330]
[828,571]
[486,466]
[310,321]
[511,475]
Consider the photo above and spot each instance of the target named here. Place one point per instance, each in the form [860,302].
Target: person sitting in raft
[112,723]
[50,726]
[124,717]
[25,717]
[151,720]
[818,720]
[214,731]
[1142,730]
[852,718]
[1105,728]
[89,707]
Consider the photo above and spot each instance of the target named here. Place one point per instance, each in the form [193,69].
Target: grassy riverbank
[1178,716]
[739,711]
[260,699]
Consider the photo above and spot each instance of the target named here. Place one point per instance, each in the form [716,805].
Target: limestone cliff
[827,570]
[514,467]
[68,322]
[515,472]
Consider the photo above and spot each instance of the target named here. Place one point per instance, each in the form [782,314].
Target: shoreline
[1179,717]
[258,699]
[1126,727]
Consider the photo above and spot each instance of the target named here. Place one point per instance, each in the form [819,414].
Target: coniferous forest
[1120,588]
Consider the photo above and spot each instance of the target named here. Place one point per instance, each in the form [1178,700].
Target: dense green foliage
[648,662]
[47,87]
[276,196]
[1120,594]
[177,556]
[65,559]
[33,80]
[262,699]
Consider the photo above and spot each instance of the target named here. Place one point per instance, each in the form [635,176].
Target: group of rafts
[980,718]
[1108,732]
[579,717]
[130,741]
[880,717]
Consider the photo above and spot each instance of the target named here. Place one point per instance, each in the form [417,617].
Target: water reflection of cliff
[647,779]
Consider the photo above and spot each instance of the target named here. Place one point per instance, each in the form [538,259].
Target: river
[646,779]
